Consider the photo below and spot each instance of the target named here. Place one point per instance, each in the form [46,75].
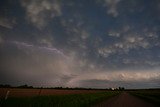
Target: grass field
[152,96]
[68,100]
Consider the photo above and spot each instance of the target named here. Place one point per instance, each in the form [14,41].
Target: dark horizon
[27,86]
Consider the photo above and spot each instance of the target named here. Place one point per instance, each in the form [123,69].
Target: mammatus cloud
[125,46]
[78,34]
[7,23]
[41,12]
[114,34]
[112,6]
[119,32]
[128,40]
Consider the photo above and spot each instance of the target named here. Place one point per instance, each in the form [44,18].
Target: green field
[75,100]
[152,96]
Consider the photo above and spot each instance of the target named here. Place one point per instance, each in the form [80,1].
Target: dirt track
[124,100]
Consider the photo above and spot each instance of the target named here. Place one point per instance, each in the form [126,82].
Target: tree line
[67,88]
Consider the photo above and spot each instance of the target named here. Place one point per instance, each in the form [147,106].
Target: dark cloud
[99,43]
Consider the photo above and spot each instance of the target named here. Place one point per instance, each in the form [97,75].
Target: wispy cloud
[47,49]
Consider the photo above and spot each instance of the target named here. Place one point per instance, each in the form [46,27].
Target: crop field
[152,96]
[18,97]
[16,92]
[53,98]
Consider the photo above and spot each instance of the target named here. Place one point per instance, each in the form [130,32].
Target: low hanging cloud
[53,69]
[45,65]
[147,61]
[103,79]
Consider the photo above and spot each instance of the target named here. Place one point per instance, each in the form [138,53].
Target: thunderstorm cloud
[80,43]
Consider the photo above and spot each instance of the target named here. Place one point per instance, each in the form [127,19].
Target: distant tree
[121,88]
[110,88]
[58,88]
[25,86]
[5,86]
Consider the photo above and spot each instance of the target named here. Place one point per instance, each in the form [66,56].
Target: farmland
[18,92]
[152,96]
[53,97]
[23,97]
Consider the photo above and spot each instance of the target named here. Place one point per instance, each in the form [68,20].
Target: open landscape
[18,97]
[79,53]
[14,92]
[53,97]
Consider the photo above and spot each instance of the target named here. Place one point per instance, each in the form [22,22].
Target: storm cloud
[87,43]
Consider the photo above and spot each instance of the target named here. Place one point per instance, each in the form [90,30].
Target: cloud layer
[99,44]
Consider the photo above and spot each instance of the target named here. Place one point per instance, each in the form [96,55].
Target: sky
[80,43]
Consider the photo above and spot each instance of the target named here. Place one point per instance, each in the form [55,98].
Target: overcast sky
[80,43]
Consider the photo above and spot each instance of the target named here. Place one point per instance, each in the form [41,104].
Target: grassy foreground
[75,100]
[148,95]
